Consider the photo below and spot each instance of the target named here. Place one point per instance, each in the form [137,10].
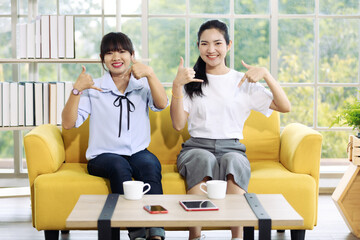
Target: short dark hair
[115,41]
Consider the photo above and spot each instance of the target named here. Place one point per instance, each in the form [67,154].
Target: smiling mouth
[211,57]
[117,65]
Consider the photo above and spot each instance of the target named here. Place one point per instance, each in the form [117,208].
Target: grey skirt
[214,158]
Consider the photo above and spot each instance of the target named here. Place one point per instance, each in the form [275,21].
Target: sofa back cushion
[76,143]
[262,136]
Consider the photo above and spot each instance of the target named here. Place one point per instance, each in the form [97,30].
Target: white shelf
[13,128]
[43,60]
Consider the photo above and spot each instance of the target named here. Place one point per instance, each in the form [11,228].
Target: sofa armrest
[44,149]
[300,149]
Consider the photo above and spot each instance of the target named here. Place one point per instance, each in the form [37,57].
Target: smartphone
[153,209]
[198,205]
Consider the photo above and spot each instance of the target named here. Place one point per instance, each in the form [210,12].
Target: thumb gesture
[85,81]
[185,75]
[181,64]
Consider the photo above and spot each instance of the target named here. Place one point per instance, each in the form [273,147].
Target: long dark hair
[115,41]
[194,88]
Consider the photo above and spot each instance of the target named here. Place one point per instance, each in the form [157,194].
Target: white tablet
[198,205]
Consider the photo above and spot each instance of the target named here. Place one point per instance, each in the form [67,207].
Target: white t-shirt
[223,109]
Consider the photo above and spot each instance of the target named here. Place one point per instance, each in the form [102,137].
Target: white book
[21,30]
[46,102]
[21,104]
[52,103]
[61,36]
[6,103]
[1,107]
[68,89]
[60,100]
[45,36]
[29,103]
[38,37]
[69,37]
[53,36]
[30,44]
[14,111]
[38,103]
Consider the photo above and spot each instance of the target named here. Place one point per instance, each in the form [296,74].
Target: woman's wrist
[176,91]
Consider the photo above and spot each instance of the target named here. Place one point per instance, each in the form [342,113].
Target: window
[310,46]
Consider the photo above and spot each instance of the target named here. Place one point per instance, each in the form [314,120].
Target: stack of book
[32,103]
[47,36]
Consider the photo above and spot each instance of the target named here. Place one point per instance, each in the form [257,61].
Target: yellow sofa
[286,163]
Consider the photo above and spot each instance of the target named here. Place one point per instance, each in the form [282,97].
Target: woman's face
[117,62]
[213,49]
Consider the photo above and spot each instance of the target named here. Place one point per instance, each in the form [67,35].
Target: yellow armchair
[286,163]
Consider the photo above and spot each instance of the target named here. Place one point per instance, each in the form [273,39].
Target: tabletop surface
[233,211]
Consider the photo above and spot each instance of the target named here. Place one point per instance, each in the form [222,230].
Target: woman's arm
[70,111]
[158,93]
[177,113]
[280,102]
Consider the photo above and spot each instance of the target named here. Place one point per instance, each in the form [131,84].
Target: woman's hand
[185,75]
[253,74]
[85,81]
[140,70]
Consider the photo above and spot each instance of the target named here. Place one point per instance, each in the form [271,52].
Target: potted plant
[350,116]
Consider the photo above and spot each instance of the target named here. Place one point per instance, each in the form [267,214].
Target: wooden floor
[15,224]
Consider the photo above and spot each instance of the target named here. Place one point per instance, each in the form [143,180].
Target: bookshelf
[35,61]
[43,60]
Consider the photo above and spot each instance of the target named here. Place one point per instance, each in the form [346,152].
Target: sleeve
[261,99]
[152,105]
[84,108]
[151,100]
[186,102]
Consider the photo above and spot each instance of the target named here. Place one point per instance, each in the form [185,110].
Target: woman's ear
[229,45]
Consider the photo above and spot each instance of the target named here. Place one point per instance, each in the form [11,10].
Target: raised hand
[185,75]
[253,74]
[140,70]
[85,81]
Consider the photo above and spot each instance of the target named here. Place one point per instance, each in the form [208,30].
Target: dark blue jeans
[142,166]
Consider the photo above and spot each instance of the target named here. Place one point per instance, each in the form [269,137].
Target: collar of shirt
[107,84]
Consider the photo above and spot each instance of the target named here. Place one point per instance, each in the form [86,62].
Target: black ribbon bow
[118,103]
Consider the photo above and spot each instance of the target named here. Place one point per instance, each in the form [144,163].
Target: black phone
[153,209]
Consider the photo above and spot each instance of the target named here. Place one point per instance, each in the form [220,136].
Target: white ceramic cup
[134,190]
[215,189]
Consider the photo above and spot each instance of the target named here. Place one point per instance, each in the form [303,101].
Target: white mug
[134,190]
[216,189]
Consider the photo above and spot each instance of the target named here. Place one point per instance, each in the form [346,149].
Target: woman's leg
[235,163]
[113,167]
[195,232]
[233,188]
[198,162]
[147,168]
[117,169]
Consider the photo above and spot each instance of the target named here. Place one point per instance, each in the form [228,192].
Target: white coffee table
[234,210]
